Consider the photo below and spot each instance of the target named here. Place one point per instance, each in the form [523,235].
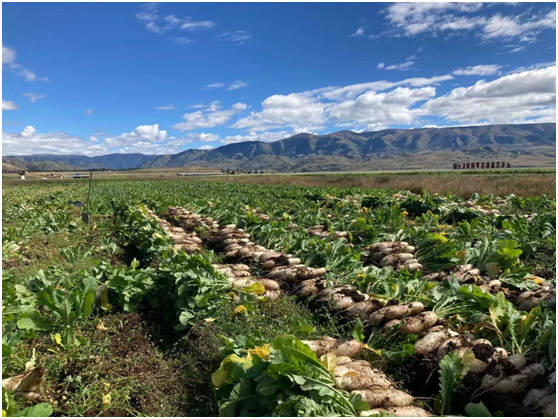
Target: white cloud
[297,110]
[512,98]
[268,136]
[210,117]
[412,19]
[154,23]
[182,40]
[166,108]
[202,137]
[148,139]
[206,147]
[191,25]
[381,65]
[374,109]
[237,37]
[536,66]
[478,70]
[409,19]
[34,97]
[9,106]
[141,135]
[354,105]
[359,32]
[517,49]
[89,112]
[499,26]
[237,84]
[9,61]
[30,142]
[215,85]
[403,66]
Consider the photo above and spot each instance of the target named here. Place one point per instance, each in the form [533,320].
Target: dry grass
[521,184]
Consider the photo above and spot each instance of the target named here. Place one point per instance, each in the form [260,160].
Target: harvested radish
[398,412]
[395,312]
[385,398]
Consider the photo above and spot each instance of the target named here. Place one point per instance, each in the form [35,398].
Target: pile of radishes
[397,254]
[358,377]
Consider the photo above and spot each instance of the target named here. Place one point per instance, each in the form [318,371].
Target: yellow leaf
[374,351]
[404,213]
[101,327]
[240,309]
[467,359]
[107,386]
[209,320]
[255,288]
[261,351]
[4,413]
[58,339]
[107,399]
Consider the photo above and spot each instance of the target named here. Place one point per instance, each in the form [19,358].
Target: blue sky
[95,78]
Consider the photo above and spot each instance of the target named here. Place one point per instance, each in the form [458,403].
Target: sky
[158,78]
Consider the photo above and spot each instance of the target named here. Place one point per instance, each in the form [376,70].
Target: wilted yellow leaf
[374,351]
[404,213]
[58,339]
[329,361]
[101,327]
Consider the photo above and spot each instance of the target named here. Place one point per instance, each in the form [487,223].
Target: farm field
[211,298]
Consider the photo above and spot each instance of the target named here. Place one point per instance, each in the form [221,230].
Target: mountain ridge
[347,148]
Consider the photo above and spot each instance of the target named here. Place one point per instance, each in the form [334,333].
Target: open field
[521,182]
[184,297]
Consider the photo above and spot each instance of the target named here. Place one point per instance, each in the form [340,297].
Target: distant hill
[344,150]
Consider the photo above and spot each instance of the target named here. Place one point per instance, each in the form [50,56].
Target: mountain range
[523,144]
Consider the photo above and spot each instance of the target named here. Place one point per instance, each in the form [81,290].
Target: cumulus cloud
[29,141]
[381,65]
[207,147]
[9,106]
[358,105]
[515,97]
[412,19]
[212,116]
[34,97]
[140,136]
[148,139]
[478,70]
[9,61]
